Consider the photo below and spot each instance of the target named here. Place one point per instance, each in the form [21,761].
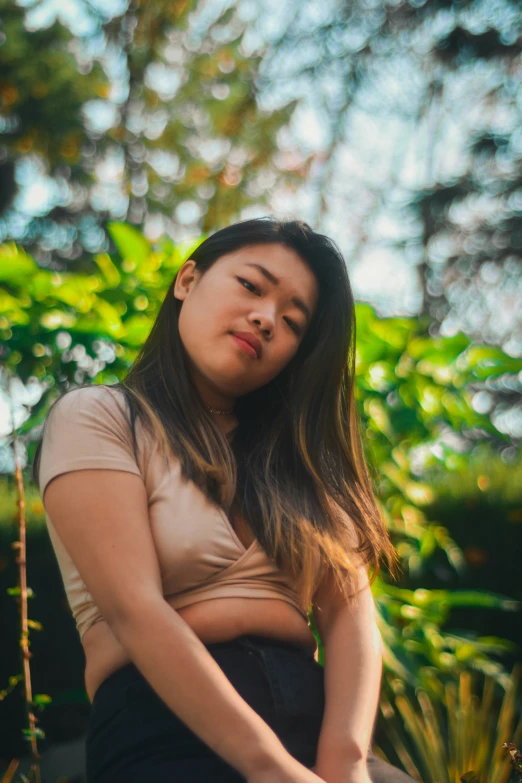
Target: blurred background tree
[139,115]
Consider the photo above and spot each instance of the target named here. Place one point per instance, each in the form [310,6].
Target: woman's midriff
[216,620]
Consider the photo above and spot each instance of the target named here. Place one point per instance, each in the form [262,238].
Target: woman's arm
[184,674]
[102,518]
[353,667]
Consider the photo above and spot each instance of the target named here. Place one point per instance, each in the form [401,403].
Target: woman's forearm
[187,678]
[352,671]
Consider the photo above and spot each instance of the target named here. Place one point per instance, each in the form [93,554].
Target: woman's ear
[186,278]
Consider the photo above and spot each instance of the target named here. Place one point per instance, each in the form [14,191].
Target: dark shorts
[133,736]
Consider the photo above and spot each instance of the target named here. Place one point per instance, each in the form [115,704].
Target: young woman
[201,507]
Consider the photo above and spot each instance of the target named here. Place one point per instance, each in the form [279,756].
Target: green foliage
[457,734]
[412,390]
[482,476]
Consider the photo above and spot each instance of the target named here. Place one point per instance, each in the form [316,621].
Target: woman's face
[235,296]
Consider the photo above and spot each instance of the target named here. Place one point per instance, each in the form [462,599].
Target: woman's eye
[242,280]
[292,325]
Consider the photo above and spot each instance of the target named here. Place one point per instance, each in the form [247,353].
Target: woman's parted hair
[296,468]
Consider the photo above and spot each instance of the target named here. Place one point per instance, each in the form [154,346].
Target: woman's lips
[247,348]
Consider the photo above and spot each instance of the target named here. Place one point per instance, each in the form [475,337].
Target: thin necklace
[214,410]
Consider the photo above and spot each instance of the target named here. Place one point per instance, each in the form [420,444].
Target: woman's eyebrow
[275,281]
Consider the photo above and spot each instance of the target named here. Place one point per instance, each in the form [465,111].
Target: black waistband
[265,641]
[130,671]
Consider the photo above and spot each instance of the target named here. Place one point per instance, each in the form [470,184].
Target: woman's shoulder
[87,428]
[95,398]
[85,410]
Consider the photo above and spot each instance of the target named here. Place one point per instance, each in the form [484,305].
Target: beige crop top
[199,553]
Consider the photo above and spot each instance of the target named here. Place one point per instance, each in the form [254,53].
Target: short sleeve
[87,428]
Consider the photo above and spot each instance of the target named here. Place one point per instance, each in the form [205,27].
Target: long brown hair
[296,468]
